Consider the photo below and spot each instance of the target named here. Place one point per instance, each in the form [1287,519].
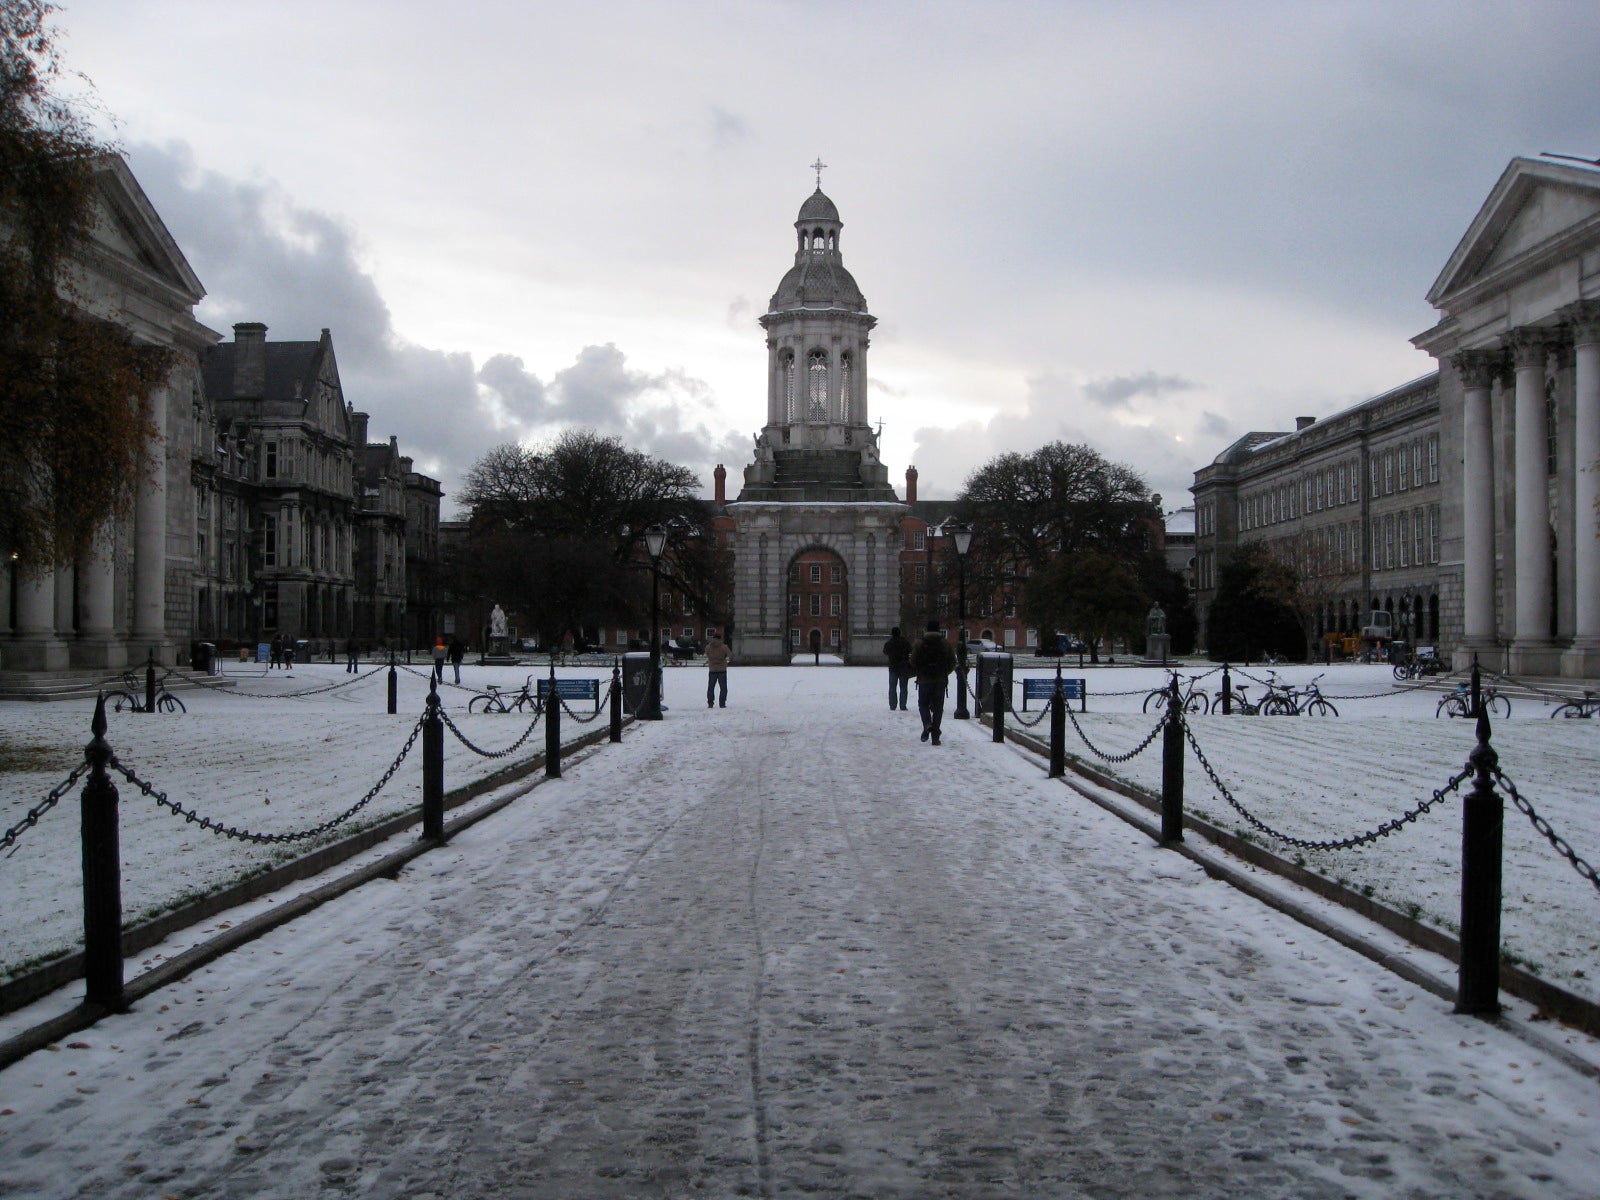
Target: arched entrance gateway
[818,603]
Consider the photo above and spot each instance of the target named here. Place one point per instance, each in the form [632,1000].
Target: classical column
[34,645]
[97,644]
[1583,658]
[150,541]
[1532,650]
[65,623]
[1476,369]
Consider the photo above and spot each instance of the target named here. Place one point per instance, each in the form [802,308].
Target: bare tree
[1315,575]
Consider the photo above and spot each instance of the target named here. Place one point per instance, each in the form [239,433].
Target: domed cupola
[818,278]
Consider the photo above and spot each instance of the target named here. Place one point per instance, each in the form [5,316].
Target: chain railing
[52,798]
[1561,845]
[1361,839]
[599,712]
[218,689]
[245,835]
[440,682]
[1115,758]
[479,750]
[1041,715]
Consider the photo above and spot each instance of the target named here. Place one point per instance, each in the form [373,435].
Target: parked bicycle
[1459,703]
[1239,701]
[1586,706]
[1194,700]
[1307,700]
[1419,666]
[130,696]
[505,700]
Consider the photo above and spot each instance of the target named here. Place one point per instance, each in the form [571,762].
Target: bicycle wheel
[483,704]
[1156,701]
[1498,706]
[1571,708]
[1402,671]
[1276,706]
[1449,706]
[1199,702]
[1321,708]
[122,700]
[170,703]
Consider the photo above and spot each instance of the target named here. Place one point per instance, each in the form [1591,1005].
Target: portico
[1519,351]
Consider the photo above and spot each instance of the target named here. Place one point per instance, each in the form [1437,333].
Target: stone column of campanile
[1583,658]
[1532,650]
[1476,369]
[150,542]
[97,644]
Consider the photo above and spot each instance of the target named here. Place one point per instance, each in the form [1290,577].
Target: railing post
[999,710]
[432,770]
[150,683]
[1172,767]
[616,703]
[1477,690]
[1058,729]
[552,730]
[1482,829]
[394,685]
[102,874]
[1227,691]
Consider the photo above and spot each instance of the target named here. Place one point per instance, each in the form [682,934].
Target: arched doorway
[818,604]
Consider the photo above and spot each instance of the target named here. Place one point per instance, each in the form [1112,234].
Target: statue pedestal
[498,655]
[1157,650]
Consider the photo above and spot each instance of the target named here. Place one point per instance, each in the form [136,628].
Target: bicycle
[1459,703]
[131,696]
[1586,706]
[497,700]
[1308,700]
[1194,700]
[1239,702]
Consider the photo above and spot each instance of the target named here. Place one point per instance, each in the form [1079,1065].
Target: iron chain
[1115,758]
[52,798]
[1560,843]
[1359,839]
[245,835]
[219,690]
[1022,720]
[479,750]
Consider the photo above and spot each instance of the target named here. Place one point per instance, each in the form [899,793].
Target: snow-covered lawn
[277,765]
[272,765]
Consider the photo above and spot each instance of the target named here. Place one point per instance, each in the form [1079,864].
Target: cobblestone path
[794,953]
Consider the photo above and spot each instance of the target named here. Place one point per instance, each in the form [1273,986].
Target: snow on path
[787,949]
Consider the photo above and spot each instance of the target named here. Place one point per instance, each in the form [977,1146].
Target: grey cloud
[741,311]
[524,395]
[1119,390]
[1214,425]
[727,129]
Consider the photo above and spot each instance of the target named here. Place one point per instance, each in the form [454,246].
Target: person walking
[932,661]
[439,653]
[352,655]
[458,651]
[717,655]
[276,660]
[898,651]
[288,654]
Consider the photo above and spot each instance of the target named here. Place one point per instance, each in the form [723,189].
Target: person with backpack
[898,651]
[932,661]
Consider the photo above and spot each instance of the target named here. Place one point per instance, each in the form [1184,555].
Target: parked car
[980,645]
[528,645]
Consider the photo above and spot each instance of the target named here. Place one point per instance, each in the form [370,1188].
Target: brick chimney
[358,429]
[1303,423]
[250,360]
[911,485]
[721,476]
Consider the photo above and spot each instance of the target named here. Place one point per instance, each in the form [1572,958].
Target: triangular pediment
[127,226]
[1535,211]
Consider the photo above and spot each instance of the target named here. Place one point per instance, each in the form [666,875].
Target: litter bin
[203,657]
[302,650]
[992,664]
[635,679]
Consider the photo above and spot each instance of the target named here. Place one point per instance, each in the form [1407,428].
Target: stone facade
[816,487]
[1518,343]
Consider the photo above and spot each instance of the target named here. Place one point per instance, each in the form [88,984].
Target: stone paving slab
[797,953]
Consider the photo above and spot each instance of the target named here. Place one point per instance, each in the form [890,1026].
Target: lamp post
[655,541]
[963,539]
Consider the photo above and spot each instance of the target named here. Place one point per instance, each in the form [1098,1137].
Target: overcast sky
[1151,227]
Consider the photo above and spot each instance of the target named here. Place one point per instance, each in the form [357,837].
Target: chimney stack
[911,485]
[250,360]
[358,430]
[721,476]
[1303,423]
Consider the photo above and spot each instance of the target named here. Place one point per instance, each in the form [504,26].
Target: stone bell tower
[816,489]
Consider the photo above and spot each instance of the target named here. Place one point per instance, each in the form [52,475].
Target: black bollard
[1058,729]
[394,687]
[432,770]
[102,874]
[999,698]
[1227,691]
[552,730]
[616,703]
[1482,831]
[961,713]
[1172,767]
[1477,690]
[150,683]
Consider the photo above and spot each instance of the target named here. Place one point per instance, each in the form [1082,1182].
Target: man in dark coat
[898,651]
[932,661]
